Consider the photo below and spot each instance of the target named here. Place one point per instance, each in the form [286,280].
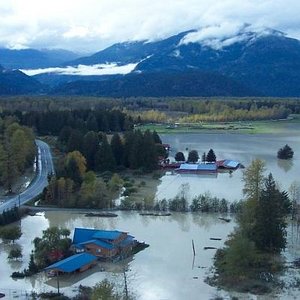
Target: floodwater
[166,269]
[241,147]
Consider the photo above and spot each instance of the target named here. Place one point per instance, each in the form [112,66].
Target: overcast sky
[91,25]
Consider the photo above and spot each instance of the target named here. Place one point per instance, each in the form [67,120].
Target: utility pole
[125,284]
[19,199]
[57,282]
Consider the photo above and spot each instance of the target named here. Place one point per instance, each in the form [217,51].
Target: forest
[17,150]
[138,109]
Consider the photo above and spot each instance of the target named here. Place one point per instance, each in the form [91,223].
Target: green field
[248,127]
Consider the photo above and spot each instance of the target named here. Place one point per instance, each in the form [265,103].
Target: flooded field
[241,147]
[166,270]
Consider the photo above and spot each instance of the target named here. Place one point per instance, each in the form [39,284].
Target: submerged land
[86,185]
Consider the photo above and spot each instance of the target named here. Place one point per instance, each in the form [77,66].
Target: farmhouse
[103,244]
[91,245]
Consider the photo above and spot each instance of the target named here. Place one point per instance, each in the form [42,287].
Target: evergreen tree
[117,148]
[156,138]
[179,156]
[104,159]
[149,153]
[75,141]
[285,153]
[193,156]
[270,226]
[211,157]
[90,147]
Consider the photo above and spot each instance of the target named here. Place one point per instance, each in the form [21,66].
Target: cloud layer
[91,25]
[83,70]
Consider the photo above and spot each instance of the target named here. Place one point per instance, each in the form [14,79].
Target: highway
[44,167]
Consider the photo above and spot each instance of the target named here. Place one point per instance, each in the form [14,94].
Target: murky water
[243,148]
[166,269]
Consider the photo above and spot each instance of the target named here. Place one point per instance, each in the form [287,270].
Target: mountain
[265,61]
[188,84]
[33,59]
[250,62]
[129,52]
[14,82]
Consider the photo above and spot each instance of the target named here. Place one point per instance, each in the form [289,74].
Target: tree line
[250,252]
[51,122]
[155,109]
[17,150]
[76,184]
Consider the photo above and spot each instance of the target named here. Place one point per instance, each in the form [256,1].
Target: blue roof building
[77,262]
[197,168]
[102,243]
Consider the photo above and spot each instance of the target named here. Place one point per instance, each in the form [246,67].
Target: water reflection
[285,164]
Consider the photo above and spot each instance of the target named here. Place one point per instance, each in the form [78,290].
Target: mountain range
[249,63]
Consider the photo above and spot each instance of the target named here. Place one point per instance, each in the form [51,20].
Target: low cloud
[83,70]
[224,35]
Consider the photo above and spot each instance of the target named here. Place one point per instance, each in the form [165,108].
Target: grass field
[247,127]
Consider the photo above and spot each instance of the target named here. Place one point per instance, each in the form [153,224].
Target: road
[44,167]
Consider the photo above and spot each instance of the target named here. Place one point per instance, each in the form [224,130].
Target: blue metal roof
[73,262]
[107,234]
[83,234]
[198,167]
[99,243]
[231,163]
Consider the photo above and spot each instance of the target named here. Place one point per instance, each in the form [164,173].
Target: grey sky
[91,25]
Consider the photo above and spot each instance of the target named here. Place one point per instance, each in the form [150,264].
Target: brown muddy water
[166,269]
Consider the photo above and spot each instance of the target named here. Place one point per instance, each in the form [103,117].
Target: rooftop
[84,234]
[73,262]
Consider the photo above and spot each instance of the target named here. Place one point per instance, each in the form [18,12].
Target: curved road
[45,167]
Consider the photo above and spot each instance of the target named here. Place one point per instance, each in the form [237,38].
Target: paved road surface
[45,167]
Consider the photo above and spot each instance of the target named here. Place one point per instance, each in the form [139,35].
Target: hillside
[17,83]
[158,85]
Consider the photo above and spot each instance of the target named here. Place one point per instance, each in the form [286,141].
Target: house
[103,244]
[75,263]
[197,168]
[228,164]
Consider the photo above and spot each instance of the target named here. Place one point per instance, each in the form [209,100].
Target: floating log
[193,246]
[146,214]
[215,239]
[209,248]
[103,215]
[162,214]
[224,219]
[156,214]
